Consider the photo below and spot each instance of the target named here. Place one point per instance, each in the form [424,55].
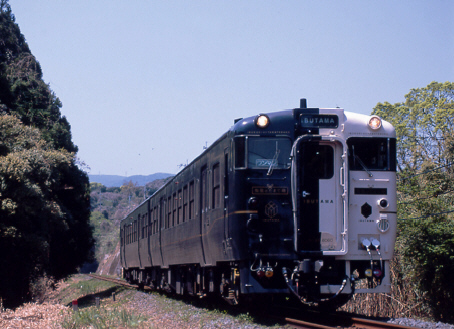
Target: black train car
[299,202]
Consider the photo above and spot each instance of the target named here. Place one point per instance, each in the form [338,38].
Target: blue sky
[146,84]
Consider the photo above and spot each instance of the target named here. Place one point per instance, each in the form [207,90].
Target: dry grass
[34,315]
[403,301]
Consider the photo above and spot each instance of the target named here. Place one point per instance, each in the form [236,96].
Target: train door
[122,246]
[149,223]
[139,238]
[161,224]
[320,185]
[204,213]
[226,201]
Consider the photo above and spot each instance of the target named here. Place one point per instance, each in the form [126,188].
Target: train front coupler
[303,283]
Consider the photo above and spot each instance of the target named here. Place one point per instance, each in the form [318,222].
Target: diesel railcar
[299,202]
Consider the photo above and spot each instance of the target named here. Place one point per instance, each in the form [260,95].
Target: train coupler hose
[318,301]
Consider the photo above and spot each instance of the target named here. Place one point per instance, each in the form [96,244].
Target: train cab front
[262,182]
[319,187]
[344,201]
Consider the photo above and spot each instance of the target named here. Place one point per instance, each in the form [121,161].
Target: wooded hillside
[45,202]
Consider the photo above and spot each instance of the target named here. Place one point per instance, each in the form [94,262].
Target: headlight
[262,121]
[375,123]
[383,203]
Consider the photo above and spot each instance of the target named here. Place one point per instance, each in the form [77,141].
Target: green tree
[45,202]
[39,234]
[424,124]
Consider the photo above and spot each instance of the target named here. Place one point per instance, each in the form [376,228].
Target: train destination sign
[319,121]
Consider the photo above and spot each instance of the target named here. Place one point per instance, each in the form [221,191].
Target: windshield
[372,154]
[266,153]
[269,153]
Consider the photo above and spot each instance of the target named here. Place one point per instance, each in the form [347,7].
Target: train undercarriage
[322,284]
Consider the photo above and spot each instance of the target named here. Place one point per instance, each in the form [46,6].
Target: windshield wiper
[273,161]
[364,166]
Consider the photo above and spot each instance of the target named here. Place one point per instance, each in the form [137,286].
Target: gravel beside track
[421,324]
[160,311]
[169,313]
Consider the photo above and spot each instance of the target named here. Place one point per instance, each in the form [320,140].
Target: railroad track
[321,321]
[117,281]
[342,321]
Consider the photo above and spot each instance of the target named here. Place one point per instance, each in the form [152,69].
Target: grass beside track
[136,309]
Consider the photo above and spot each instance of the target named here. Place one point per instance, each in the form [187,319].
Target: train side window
[191,200]
[203,189]
[140,226]
[162,214]
[143,227]
[240,152]
[180,207]
[174,212]
[155,220]
[185,203]
[135,231]
[226,175]
[152,221]
[169,211]
[216,202]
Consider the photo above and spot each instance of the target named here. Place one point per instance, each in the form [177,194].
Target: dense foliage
[425,245]
[45,205]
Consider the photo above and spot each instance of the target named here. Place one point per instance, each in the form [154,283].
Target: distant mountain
[117,181]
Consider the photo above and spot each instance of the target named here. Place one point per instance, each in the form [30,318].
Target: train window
[372,153]
[191,200]
[142,227]
[135,231]
[203,189]
[162,214]
[240,152]
[269,153]
[174,209]
[146,225]
[185,203]
[317,160]
[216,203]
[169,211]
[180,207]
[152,221]
[155,221]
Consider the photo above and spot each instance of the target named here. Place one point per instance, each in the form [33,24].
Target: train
[296,204]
